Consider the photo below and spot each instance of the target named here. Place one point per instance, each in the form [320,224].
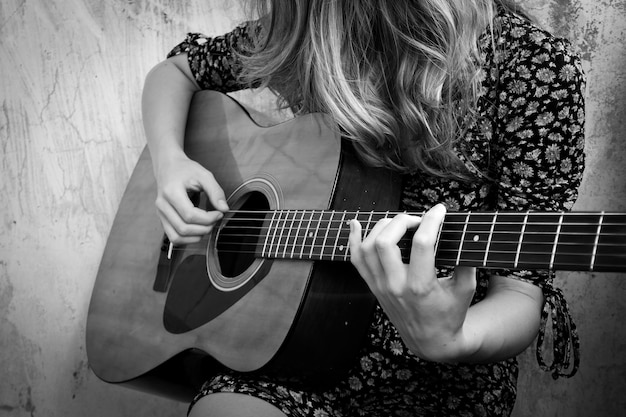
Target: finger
[213,191]
[363,254]
[369,252]
[175,238]
[389,252]
[183,227]
[185,209]
[386,239]
[423,248]
[354,245]
[368,244]
[464,279]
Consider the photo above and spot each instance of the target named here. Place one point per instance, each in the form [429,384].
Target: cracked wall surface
[70,134]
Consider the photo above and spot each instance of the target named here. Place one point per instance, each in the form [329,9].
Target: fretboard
[573,241]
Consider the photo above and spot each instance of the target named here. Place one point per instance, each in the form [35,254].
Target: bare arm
[168,90]
[433,315]
[506,321]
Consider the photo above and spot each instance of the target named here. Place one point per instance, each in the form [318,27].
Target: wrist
[164,156]
[462,346]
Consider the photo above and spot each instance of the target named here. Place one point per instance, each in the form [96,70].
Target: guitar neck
[576,241]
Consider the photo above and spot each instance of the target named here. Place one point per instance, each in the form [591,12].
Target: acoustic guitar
[271,290]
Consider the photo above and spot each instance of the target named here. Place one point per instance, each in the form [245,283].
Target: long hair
[400,78]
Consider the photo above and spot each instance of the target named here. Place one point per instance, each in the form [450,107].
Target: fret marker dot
[476,238]
[341,248]
[310,234]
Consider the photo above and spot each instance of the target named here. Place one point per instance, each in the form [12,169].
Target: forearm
[504,323]
[167,94]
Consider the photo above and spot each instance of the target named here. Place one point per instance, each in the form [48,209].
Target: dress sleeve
[214,61]
[539,158]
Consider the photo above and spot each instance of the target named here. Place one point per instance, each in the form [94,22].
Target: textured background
[71,73]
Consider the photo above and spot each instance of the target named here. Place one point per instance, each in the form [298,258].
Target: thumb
[465,279]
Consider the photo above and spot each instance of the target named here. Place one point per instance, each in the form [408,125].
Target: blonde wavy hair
[399,77]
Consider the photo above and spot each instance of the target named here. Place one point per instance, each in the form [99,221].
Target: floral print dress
[528,137]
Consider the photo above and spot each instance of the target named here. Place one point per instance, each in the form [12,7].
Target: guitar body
[165,325]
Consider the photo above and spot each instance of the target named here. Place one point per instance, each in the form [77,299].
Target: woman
[478,109]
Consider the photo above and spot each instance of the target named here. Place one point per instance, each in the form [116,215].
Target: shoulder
[215,61]
[243,34]
[523,49]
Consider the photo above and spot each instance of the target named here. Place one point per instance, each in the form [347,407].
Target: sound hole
[238,239]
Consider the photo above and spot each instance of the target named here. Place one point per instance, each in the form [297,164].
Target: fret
[504,240]
[438,237]
[308,234]
[296,239]
[475,237]
[556,241]
[336,243]
[316,235]
[326,251]
[289,244]
[538,241]
[346,254]
[449,238]
[576,241]
[519,243]
[491,229]
[378,217]
[611,249]
[271,229]
[595,244]
[280,227]
[331,237]
[321,242]
[366,230]
[458,256]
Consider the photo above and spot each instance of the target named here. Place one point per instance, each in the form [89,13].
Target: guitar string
[243,224]
[337,231]
[251,248]
[491,263]
[406,242]
[441,251]
[321,217]
[297,216]
[343,235]
[448,214]
[331,220]
[444,231]
[300,241]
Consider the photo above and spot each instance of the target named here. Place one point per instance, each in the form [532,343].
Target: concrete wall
[71,73]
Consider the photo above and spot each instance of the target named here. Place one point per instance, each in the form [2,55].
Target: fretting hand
[428,312]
